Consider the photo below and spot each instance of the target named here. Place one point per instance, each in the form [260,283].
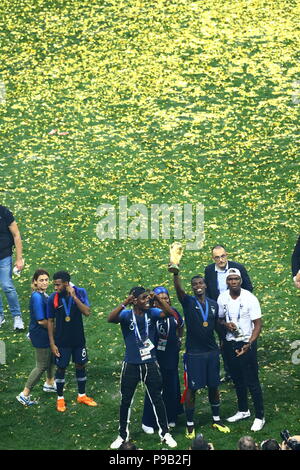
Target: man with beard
[240,313]
[66,306]
[202,362]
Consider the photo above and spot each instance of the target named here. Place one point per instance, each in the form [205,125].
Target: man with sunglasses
[215,280]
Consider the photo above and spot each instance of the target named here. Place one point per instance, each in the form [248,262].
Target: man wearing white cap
[240,313]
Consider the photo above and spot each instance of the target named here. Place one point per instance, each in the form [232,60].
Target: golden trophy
[176,252]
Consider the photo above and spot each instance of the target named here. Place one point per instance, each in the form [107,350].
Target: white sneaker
[147,429]
[258,424]
[18,323]
[26,401]
[49,388]
[168,439]
[117,443]
[2,320]
[238,416]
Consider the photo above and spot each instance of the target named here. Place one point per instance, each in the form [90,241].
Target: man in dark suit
[215,273]
[215,280]
[296,264]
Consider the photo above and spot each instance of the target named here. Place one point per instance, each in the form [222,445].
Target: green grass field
[163,102]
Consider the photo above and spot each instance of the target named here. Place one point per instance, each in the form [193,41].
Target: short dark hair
[127,445]
[63,275]
[38,273]
[270,444]
[199,443]
[198,276]
[137,291]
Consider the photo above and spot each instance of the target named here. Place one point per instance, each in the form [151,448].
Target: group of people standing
[152,331]
[222,302]
[56,332]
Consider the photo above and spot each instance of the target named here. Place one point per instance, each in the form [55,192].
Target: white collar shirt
[221,278]
[241,311]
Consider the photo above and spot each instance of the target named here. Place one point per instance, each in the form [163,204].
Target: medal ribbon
[67,307]
[228,316]
[136,328]
[204,315]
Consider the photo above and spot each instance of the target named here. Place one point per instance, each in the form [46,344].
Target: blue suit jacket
[211,279]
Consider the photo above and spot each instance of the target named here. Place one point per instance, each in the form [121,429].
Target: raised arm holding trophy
[202,353]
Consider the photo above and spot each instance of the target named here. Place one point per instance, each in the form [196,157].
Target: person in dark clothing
[295,261]
[67,306]
[202,364]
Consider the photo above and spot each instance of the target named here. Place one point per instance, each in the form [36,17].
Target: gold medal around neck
[68,319]
[205,323]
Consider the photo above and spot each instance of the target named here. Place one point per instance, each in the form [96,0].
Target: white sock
[216,418]
[59,398]
[190,423]
[81,394]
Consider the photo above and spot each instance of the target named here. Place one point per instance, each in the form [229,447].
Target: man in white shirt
[240,313]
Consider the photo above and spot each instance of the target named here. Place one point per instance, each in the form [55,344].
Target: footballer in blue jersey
[138,326]
[66,306]
[202,364]
[168,338]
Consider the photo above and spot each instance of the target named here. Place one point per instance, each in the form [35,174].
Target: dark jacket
[211,279]
[296,258]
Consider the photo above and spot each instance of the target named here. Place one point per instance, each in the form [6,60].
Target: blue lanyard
[136,328]
[204,315]
[67,307]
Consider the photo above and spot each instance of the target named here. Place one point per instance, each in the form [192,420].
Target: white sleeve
[254,310]
[221,306]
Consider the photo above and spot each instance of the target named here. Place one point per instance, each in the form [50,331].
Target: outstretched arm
[177,283]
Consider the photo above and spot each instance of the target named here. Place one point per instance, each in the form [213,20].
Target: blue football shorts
[203,369]
[79,356]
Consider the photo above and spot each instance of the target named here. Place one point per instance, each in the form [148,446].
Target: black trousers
[150,375]
[171,396]
[244,373]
